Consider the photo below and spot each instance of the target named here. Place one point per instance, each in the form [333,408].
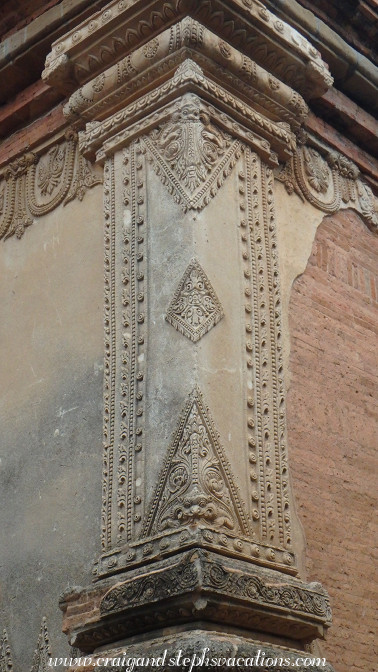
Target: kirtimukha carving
[42,653]
[33,185]
[6,664]
[195,308]
[196,485]
[191,156]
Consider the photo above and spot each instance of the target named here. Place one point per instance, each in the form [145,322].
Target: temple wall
[188,324]
[51,330]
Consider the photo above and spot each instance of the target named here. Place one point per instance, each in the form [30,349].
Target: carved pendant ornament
[34,185]
[195,308]
[41,656]
[191,156]
[196,485]
[329,181]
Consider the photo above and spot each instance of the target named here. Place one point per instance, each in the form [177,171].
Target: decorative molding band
[329,181]
[123,26]
[125,309]
[134,75]
[34,185]
[267,137]
[200,585]
[265,395]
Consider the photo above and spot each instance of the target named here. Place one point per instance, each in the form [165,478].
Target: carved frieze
[123,26]
[329,181]
[195,308]
[215,574]
[201,585]
[33,185]
[134,74]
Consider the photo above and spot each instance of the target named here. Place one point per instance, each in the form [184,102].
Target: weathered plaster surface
[51,362]
[297,223]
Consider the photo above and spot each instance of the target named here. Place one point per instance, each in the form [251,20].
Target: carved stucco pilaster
[196,488]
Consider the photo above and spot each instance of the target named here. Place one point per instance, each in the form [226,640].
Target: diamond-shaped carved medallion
[195,308]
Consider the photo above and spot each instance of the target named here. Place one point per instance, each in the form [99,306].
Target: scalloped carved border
[330,182]
[34,185]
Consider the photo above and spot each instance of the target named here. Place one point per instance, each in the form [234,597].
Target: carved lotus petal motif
[195,308]
[317,170]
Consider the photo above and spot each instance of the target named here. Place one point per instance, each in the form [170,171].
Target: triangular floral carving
[191,156]
[6,664]
[196,487]
[42,653]
[195,307]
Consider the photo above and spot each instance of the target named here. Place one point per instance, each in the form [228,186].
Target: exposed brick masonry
[332,411]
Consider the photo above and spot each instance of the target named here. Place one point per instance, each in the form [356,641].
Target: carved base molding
[196,586]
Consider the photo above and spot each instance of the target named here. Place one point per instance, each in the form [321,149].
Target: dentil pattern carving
[191,156]
[196,484]
[33,185]
[195,308]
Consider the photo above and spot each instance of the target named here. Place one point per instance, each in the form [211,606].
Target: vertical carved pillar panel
[198,521]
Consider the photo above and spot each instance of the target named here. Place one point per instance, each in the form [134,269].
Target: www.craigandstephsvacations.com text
[179,659]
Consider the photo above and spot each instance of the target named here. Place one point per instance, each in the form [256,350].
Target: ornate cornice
[157,60]
[196,585]
[268,137]
[124,25]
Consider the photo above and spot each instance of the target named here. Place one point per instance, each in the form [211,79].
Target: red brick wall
[332,413]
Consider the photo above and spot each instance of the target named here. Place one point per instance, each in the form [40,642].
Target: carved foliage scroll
[196,485]
[33,185]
